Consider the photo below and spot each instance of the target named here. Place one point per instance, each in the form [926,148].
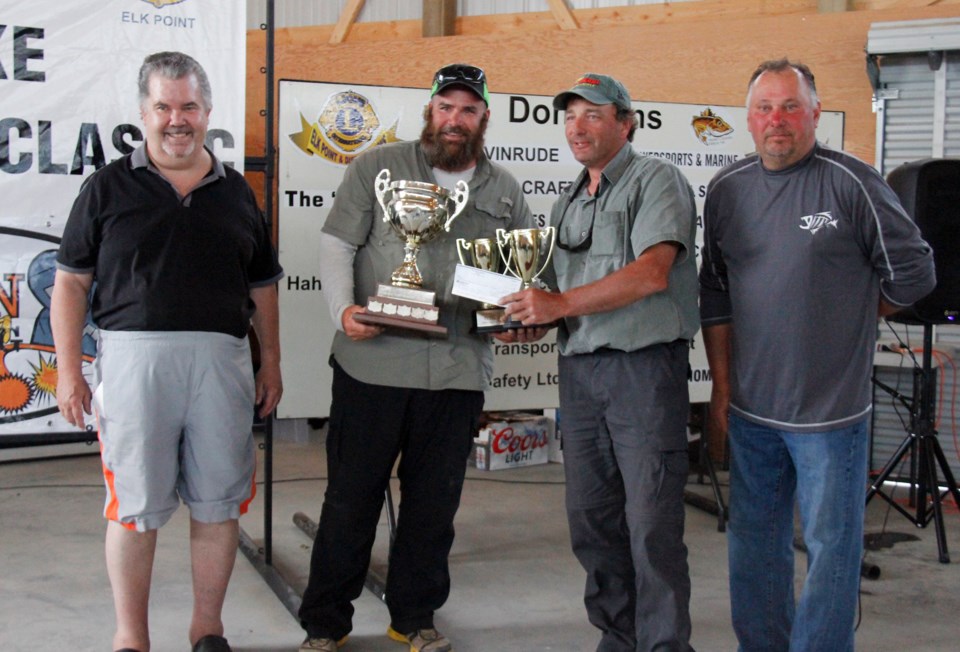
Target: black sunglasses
[459,72]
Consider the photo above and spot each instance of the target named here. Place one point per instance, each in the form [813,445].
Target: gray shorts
[175,412]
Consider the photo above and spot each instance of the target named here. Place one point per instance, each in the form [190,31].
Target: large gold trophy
[417,211]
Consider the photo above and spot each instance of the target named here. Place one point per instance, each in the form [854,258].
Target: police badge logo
[348,120]
[347,125]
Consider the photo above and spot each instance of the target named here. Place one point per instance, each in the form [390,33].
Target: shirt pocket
[493,214]
[609,229]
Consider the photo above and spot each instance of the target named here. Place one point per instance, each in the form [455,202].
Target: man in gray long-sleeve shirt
[803,248]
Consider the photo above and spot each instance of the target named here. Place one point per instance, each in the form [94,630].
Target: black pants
[370,425]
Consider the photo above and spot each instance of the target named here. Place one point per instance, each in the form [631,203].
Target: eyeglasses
[460,72]
[576,234]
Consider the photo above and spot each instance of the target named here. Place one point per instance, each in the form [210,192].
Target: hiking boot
[321,644]
[422,640]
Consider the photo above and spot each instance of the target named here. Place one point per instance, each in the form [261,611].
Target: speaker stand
[926,455]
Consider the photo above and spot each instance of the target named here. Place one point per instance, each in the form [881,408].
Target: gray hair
[173,65]
[782,65]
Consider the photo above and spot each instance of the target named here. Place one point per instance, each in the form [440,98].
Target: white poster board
[68,83]
[323,126]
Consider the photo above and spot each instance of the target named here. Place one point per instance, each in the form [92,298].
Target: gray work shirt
[796,260]
[641,201]
[463,360]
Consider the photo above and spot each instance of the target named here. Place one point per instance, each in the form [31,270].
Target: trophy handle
[462,245]
[503,238]
[460,199]
[551,233]
[380,187]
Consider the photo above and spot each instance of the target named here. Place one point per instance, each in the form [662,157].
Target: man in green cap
[397,396]
[627,306]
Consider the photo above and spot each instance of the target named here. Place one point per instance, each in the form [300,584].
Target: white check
[483,286]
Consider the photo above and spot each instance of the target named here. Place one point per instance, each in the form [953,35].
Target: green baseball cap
[461,74]
[596,89]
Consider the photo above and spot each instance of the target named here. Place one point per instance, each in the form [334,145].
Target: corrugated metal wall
[299,13]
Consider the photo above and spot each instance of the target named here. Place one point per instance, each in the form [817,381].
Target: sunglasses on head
[459,72]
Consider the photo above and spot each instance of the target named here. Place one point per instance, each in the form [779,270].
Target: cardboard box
[512,440]
[555,449]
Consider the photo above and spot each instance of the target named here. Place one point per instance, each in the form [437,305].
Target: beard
[451,157]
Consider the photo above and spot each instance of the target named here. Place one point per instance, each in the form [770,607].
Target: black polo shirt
[162,262]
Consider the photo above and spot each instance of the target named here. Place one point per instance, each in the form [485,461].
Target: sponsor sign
[68,79]
[323,126]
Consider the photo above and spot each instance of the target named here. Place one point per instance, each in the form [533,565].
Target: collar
[140,159]
[610,174]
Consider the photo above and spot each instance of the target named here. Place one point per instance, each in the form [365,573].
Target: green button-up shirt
[641,201]
[463,360]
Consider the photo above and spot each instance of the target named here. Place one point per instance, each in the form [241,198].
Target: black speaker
[929,190]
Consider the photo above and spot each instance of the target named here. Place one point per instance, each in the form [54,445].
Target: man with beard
[396,393]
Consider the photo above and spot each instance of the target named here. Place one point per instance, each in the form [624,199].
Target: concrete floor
[516,586]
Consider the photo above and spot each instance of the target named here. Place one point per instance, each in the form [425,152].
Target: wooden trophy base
[405,308]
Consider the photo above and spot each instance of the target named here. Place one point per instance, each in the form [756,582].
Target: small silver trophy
[417,211]
[483,254]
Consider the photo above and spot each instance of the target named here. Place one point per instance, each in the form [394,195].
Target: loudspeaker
[929,190]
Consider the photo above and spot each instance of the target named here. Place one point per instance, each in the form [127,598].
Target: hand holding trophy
[525,254]
[417,211]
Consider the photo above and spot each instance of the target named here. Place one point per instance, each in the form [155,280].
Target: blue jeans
[827,473]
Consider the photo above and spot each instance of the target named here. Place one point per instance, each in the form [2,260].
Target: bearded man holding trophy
[409,368]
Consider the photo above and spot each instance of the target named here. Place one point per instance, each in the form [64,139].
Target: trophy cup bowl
[418,211]
[482,254]
[524,248]
[521,251]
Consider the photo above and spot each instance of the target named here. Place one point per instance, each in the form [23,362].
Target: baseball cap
[596,89]
[461,74]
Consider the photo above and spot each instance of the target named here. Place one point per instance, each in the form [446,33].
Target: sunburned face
[782,117]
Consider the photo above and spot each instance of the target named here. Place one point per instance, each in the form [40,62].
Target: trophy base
[405,308]
[492,320]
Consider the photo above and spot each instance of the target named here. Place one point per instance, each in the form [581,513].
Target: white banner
[323,126]
[68,83]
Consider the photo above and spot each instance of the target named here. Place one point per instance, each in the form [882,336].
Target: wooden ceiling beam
[562,14]
[346,20]
[439,18]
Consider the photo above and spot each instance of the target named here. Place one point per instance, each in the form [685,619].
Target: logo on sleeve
[817,221]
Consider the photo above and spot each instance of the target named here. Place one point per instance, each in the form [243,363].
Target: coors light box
[510,440]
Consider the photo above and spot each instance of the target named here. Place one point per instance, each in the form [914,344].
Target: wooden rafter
[346,20]
[562,14]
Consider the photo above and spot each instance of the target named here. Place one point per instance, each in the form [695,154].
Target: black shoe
[212,643]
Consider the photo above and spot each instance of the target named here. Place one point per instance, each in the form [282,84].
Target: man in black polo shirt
[183,264]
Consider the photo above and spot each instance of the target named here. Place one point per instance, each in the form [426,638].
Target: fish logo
[710,128]
[817,221]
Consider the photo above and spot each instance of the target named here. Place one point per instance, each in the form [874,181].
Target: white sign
[68,79]
[323,126]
